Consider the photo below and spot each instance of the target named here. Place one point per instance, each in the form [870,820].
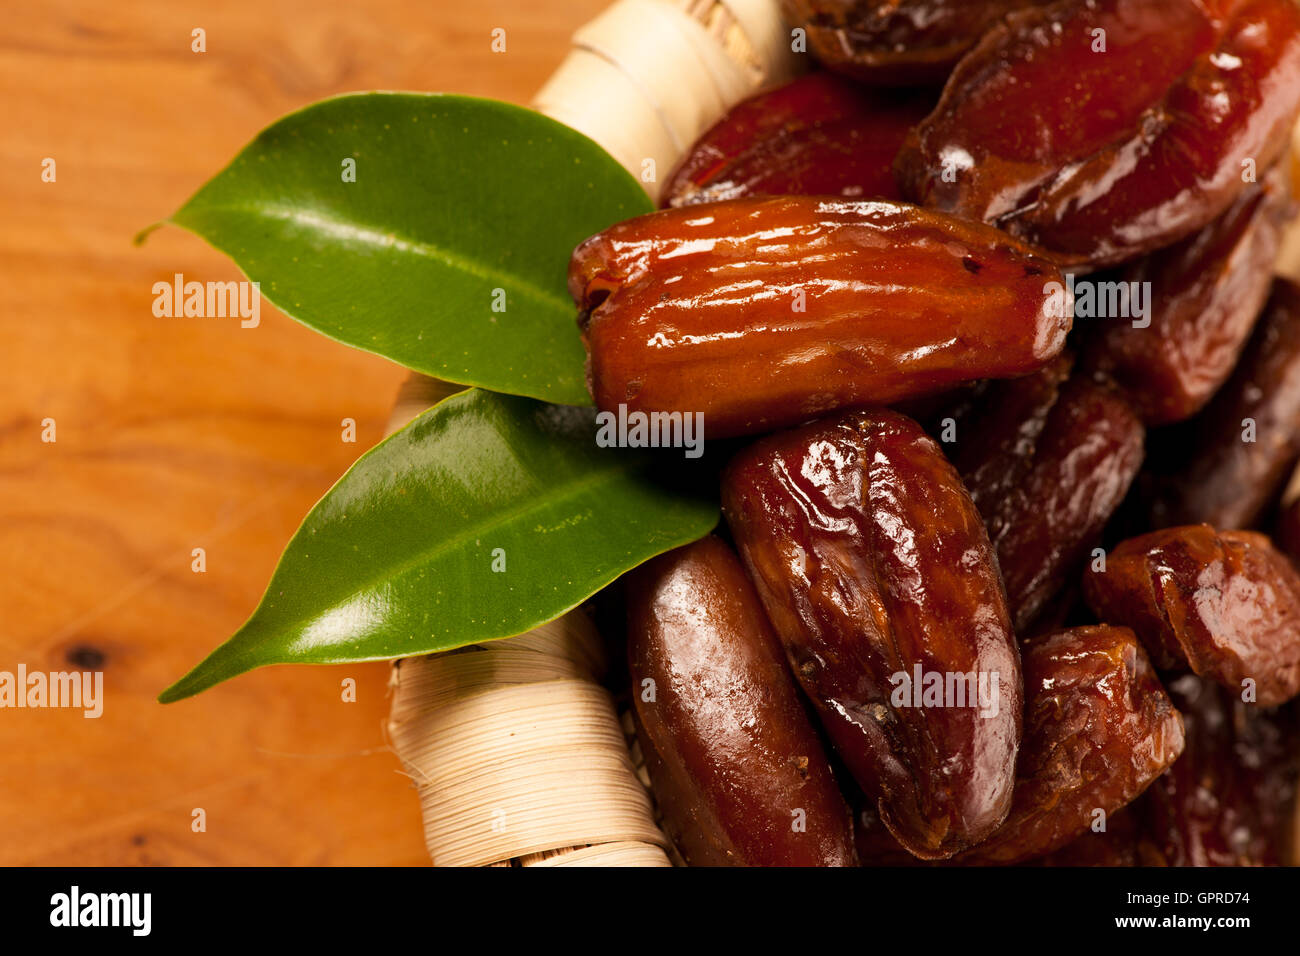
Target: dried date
[877,574]
[1117,845]
[1047,462]
[762,313]
[897,42]
[1099,728]
[740,773]
[1225,605]
[1248,438]
[1228,800]
[819,135]
[1206,293]
[1100,130]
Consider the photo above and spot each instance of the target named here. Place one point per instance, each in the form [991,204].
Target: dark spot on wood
[972,266]
[85,657]
[139,839]
[1033,271]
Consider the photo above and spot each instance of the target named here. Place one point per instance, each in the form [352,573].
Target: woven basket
[515,747]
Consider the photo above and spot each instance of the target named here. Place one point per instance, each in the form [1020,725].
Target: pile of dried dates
[1009,569]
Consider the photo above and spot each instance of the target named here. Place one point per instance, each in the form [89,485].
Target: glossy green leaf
[454,198]
[398,557]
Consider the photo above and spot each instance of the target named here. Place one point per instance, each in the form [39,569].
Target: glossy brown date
[875,569]
[1205,294]
[899,42]
[1228,800]
[1099,728]
[739,772]
[819,135]
[1047,461]
[1248,438]
[762,313]
[1099,157]
[1225,605]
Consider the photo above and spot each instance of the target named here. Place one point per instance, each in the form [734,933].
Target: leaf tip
[187,686]
[222,664]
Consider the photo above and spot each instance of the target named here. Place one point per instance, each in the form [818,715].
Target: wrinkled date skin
[1225,605]
[894,42]
[1099,157]
[762,313]
[1047,461]
[1230,482]
[731,752]
[1206,293]
[1228,800]
[1099,728]
[872,562]
[819,135]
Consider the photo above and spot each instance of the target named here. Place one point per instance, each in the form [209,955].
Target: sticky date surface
[896,42]
[762,313]
[819,135]
[1247,439]
[733,756]
[1047,461]
[1099,728]
[1225,605]
[1206,293]
[871,560]
[1099,156]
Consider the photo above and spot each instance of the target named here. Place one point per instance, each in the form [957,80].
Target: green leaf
[397,558]
[454,197]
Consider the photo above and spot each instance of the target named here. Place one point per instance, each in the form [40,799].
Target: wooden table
[176,434]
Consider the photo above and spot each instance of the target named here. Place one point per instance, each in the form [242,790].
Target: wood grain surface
[184,433]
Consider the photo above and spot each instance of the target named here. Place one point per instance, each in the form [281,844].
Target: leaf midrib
[428,556]
[338,226]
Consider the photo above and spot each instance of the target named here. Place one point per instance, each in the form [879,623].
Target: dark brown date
[1116,845]
[1101,156]
[1225,605]
[877,574]
[1205,294]
[762,313]
[1099,729]
[1228,800]
[875,844]
[1047,461]
[897,42]
[1248,438]
[739,772]
[819,135]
